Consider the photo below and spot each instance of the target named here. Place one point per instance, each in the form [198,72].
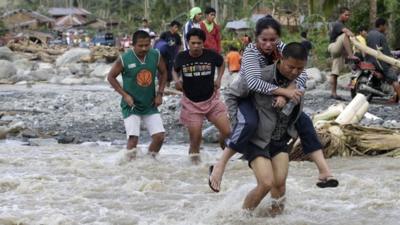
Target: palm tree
[328,7]
[372,12]
[311,7]
[245,4]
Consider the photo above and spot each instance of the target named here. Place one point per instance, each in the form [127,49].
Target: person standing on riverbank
[340,48]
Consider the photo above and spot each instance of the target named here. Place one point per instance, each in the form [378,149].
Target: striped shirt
[252,62]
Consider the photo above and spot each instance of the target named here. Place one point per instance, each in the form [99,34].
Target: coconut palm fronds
[354,140]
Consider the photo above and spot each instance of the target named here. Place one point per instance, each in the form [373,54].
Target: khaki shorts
[337,65]
[152,122]
[336,48]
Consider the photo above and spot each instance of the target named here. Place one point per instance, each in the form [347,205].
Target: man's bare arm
[116,69]
[162,69]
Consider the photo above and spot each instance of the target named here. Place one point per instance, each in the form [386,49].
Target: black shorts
[269,152]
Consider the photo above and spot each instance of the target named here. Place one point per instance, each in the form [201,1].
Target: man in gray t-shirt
[339,47]
[376,39]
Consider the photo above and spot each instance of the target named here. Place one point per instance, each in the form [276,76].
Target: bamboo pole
[331,113]
[360,113]
[351,109]
[375,53]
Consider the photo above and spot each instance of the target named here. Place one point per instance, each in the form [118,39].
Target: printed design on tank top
[144,78]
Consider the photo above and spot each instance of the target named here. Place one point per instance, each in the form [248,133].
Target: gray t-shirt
[337,28]
[377,39]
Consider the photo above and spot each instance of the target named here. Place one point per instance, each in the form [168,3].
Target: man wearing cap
[194,22]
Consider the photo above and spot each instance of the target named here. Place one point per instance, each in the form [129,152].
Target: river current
[90,184]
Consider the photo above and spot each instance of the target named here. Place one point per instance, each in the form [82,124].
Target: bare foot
[152,154]
[216,176]
[277,206]
[323,176]
[130,154]
[393,100]
[276,210]
[195,158]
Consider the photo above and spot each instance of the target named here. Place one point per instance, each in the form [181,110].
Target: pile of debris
[110,54]
[37,52]
[341,136]
[34,51]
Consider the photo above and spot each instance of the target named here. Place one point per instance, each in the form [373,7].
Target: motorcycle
[367,80]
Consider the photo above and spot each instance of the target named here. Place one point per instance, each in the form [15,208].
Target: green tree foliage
[2,28]
[393,10]
[359,17]
[161,12]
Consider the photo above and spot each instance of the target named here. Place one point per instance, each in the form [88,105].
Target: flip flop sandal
[329,182]
[337,97]
[210,170]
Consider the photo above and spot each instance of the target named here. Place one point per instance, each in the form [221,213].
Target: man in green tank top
[140,100]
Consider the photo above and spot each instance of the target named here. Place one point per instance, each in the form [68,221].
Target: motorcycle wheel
[360,81]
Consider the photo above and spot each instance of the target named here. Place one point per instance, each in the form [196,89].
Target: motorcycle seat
[366,66]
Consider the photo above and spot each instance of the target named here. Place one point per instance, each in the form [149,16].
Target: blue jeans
[247,123]
[307,134]
[245,127]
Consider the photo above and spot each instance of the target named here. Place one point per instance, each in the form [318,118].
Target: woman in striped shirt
[265,51]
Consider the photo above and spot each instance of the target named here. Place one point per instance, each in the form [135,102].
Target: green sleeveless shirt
[138,80]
